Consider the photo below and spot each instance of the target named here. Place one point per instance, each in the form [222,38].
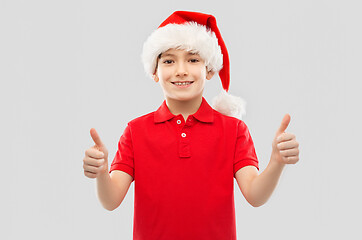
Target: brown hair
[159,57]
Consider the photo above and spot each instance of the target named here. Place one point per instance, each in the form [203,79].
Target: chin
[186,97]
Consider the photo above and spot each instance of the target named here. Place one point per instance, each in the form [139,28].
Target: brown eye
[194,60]
[167,61]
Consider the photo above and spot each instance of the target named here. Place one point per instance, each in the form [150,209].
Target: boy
[184,156]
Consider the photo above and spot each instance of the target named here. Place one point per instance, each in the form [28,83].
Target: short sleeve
[124,160]
[244,150]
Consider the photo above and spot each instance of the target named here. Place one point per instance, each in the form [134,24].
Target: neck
[185,108]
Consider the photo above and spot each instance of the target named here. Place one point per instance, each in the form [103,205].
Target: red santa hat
[195,32]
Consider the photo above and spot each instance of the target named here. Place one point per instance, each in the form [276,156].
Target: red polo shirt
[184,173]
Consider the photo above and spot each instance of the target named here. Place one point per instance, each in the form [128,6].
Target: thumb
[97,140]
[284,124]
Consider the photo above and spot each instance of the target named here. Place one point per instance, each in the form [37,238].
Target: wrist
[104,171]
[276,160]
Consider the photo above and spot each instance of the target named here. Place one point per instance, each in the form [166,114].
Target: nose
[181,70]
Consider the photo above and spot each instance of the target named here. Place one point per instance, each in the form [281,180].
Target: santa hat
[195,32]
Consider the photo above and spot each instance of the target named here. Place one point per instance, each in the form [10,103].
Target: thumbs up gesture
[285,146]
[95,161]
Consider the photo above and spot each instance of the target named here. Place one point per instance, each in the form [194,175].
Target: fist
[95,161]
[285,145]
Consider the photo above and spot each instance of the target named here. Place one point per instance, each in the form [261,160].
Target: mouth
[185,83]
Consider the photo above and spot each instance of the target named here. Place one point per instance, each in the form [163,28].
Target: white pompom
[229,105]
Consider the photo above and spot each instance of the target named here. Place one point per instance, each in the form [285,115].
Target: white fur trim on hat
[229,105]
[189,36]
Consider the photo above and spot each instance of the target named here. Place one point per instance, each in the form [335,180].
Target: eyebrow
[172,55]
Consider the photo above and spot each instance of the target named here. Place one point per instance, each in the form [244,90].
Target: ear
[155,76]
[209,75]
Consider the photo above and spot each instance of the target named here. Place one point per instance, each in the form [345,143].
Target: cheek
[202,74]
[198,71]
[164,74]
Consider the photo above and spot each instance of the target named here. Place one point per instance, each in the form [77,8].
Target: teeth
[184,83]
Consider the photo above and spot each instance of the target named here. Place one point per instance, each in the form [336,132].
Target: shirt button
[178,121]
[183,134]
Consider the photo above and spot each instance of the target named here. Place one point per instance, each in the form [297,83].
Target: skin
[179,65]
[256,188]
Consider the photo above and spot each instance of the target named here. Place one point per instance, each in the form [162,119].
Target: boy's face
[182,75]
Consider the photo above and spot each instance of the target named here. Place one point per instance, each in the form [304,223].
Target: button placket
[184,143]
[189,121]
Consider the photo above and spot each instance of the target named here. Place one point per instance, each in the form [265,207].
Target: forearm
[263,185]
[284,151]
[107,192]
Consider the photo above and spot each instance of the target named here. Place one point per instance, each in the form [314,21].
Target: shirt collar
[205,113]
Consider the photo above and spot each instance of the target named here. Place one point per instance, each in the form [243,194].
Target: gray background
[68,66]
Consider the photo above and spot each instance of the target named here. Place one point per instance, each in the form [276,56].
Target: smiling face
[182,75]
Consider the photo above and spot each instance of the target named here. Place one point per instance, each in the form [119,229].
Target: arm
[256,188]
[112,188]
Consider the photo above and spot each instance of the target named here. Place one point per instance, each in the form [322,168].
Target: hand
[285,146]
[95,161]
